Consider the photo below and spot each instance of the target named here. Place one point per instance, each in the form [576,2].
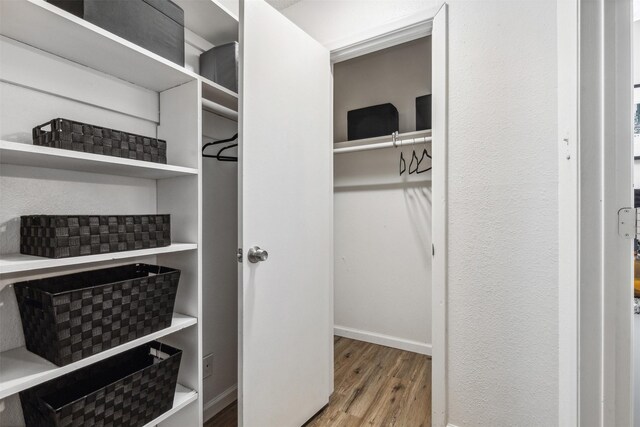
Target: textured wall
[503,209]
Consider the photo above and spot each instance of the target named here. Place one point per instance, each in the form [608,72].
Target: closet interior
[382,201]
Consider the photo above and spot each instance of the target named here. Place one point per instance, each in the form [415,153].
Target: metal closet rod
[218,109]
[397,142]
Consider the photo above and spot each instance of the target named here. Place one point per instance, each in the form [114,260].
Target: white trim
[381,339]
[221,401]
[383,40]
[439,225]
[568,219]
[451,425]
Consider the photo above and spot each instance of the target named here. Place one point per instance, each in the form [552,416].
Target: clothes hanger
[424,153]
[414,158]
[403,164]
[226,158]
[218,156]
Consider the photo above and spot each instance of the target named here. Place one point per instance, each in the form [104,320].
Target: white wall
[337,23]
[503,208]
[382,222]
[503,214]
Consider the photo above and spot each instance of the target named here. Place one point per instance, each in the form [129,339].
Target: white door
[286,208]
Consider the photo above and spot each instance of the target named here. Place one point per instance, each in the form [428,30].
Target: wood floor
[374,386]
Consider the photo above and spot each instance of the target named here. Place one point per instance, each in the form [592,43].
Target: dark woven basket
[77,136]
[67,318]
[126,390]
[61,236]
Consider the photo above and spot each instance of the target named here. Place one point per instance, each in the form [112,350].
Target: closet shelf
[14,153]
[20,369]
[49,28]
[15,263]
[182,398]
[211,20]
[214,92]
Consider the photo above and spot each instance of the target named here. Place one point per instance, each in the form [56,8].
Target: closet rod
[379,145]
[220,110]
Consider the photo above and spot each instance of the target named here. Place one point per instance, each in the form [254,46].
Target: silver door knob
[256,254]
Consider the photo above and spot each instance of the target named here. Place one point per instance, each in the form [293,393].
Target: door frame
[392,34]
[595,167]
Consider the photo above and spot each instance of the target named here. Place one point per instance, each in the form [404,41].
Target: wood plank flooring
[374,386]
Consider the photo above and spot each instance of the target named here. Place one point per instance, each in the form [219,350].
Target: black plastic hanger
[414,158]
[226,158]
[424,153]
[218,156]
[403,164]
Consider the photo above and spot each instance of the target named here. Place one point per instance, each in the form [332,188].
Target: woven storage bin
[67,318]
[76,136]
[61,236]
[126,390]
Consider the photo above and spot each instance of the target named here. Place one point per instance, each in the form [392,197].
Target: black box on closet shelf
[369,122]
[423,112]
[156,25]
[62,236]
[70,317]
[220,65]
[130,389]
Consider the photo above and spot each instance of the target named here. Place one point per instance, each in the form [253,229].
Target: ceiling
[282,4]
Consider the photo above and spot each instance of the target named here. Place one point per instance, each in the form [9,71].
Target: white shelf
[49,28]
[15,153]
[182,398]
[14,263]
[20,369]
[210,20]
[214,92]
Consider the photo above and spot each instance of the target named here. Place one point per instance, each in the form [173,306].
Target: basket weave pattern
[76,136]
[131,400]
[67,318]
[61,236]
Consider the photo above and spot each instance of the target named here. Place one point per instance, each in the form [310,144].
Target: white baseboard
[220,402]
[380,339]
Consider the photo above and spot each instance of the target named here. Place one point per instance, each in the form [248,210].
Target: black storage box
[156,25]
[67,318]
[62,236]
[127,390]
[370,122]
[220,65]
[423,112]
[71,135]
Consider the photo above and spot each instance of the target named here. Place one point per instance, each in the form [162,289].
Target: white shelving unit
[153,95]
[22,369]
[14,153]
[182,398]
[16,263]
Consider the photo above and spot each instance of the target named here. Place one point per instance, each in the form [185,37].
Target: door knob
[256,254]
